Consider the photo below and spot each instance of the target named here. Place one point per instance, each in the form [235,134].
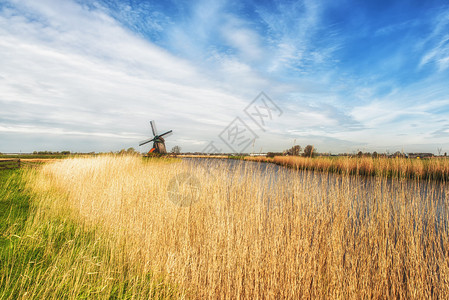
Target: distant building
[257,154]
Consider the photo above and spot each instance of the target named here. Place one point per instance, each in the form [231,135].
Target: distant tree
[360,154]
[295,150]
[309,151]
[445,154]
[131,150]
[176,150]
[65,152]
[375,155]
[398,154]
[273,154]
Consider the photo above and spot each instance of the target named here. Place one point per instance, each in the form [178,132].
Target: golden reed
[245,237]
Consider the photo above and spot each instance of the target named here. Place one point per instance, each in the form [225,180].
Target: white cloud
[246,41]
[60,131]
[97,76]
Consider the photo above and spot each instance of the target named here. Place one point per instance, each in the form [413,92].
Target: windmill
[158,140]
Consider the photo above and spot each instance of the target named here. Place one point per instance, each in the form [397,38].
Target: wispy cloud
[437,43]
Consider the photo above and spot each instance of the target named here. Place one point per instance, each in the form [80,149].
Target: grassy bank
[9,164]
[433,168]
[46,254]
[242,238]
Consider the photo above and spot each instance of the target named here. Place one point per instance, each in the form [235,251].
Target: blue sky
[347,75]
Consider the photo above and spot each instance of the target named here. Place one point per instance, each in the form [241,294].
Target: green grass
[52,257]
[14,205]
[48,156]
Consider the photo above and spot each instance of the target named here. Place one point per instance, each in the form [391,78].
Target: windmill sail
[145,142]
[166,133]
[153,127]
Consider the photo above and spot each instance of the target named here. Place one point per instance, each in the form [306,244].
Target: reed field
[433,168]
[125,227]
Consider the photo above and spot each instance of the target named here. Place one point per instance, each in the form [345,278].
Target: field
[123,227]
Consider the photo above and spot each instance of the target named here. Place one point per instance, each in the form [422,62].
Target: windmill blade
[145,142]
[168,132]
[153,127]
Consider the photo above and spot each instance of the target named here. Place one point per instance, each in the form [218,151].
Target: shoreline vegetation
[435,168]
[411,168]
[103,227]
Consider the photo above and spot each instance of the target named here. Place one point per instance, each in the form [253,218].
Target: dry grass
[434,168]
[245,238]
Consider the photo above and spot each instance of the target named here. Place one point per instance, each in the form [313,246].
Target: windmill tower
[158,140]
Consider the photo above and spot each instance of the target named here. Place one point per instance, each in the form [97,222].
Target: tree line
[296,150]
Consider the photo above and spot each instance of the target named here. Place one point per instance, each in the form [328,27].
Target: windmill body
[159,146]
[158,140]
